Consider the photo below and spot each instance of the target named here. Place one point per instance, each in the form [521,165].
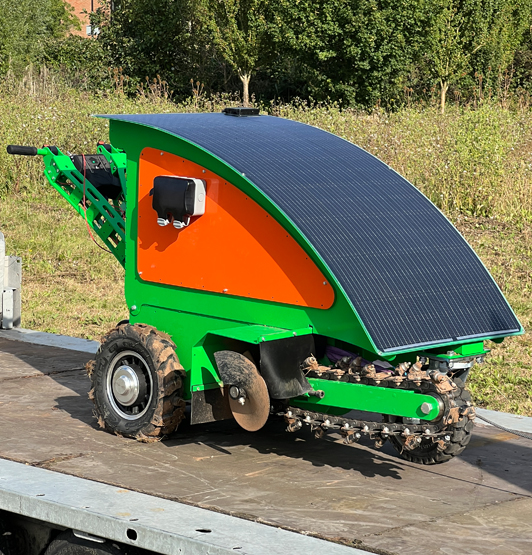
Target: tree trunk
[444,87]
[245,78]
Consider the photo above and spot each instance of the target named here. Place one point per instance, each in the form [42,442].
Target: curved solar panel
[410,275]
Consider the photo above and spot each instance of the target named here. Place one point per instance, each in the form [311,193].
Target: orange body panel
[235,248]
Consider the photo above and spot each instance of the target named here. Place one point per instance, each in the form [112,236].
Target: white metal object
[51,340]
[127,393]
[7,308]
[10,281]
[126,386]
[180,225]
[88,537]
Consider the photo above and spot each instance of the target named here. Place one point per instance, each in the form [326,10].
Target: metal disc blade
[237,369]
[252,415]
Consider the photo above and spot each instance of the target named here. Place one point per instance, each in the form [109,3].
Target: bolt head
[426,408]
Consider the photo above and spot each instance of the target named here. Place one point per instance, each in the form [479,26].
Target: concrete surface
[50,340]
[510,421]
[478,503]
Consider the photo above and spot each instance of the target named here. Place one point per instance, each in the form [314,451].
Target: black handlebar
[22,150]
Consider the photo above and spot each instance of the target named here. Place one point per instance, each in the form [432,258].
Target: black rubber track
[460,432]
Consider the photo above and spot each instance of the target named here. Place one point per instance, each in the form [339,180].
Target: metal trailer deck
[478,503]
[166,527]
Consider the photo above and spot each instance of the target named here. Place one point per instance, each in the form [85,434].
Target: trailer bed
[479,502]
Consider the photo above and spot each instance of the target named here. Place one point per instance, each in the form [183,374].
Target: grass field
[475,164]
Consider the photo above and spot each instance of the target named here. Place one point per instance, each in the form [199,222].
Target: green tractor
[272,268]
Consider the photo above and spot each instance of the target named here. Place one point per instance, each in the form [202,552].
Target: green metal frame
[104,218]
[203,373]
[383,400]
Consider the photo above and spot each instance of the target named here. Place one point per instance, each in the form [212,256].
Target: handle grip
[22,150]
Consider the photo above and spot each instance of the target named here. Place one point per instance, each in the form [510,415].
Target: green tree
[449,55]
[474,36]
[523,63]
[240,31]
[24,26]
[509,23]
[360,51]
[62,19]
[150,39]
[83,62]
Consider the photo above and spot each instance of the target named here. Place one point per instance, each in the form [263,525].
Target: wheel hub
[126,385]
[129,385]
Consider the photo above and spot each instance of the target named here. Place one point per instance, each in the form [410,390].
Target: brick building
[79,7]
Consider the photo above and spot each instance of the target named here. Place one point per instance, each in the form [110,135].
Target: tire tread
[460,433]
[169,409]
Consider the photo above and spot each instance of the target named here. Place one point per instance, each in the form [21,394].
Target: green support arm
[104,216]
